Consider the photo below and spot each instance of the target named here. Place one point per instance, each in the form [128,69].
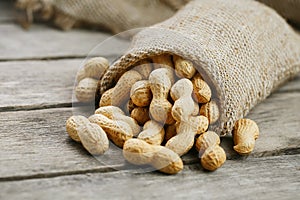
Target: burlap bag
[120,15]
[112,15]
[243,49]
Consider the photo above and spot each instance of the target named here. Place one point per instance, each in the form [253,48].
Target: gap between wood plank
[55,58]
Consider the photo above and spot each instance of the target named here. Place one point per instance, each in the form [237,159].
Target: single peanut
[141,94]
[140,114]
[183,68]
[93,138]
[212,156]
[211,111]
[73,124]
[115,113]
[86,89]
[139,152]
[117,131]
[93,68]
[202,91]
[186,131]
[187,125]
[160,85]
[245,133]
[153,133]
[106,98]
[121,92]
[184,106]
[165,61]
[144,67]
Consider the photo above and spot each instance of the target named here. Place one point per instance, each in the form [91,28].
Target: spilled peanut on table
[156,112]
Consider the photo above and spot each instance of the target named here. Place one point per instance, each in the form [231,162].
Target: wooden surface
[39,161]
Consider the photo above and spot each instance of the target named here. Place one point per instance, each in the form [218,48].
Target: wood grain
[44,42]
[38,84]
[47,84]
[35,143]
[256,178]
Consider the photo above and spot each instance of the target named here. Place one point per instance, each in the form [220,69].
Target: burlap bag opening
[244,50]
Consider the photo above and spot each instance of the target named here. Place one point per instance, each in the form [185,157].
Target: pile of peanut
[156,112]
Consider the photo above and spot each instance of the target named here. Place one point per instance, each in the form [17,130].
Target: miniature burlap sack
[112,15]
[242,48]
[121,15]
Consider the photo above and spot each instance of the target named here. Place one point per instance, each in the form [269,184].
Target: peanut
[140,93]
[164,61]
[139,152]
[115,113]
[160,107]
[184,106]
[117,131]
[106,98]
[212,156]
[144,67]
[188,126]
[73,124]
[120,93]
[93,138]
[86,89]
[186,131]
[183,68]
[211,111]
[93,68]
[245,133]
[202,92]
[153,133]
[140,114]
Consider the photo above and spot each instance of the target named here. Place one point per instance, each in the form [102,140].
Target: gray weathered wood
[6,11]
[35,143]
[44,42]
[42,84]
[256,178]
[38,84]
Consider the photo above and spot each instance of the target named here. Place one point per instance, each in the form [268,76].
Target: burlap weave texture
[244,50]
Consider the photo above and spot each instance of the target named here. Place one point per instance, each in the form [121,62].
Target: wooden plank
[263,178]
[43,84]
[35,143]
[38,84]
[44,42]
[6,11]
